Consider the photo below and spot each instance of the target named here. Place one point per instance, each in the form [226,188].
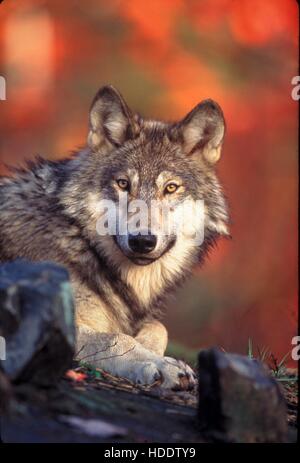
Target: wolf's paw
[168,372]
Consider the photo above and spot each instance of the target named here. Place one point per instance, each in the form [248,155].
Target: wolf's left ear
[111,121]
[202,130]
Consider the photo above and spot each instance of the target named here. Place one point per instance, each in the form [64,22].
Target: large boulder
[239,401]
[36,321]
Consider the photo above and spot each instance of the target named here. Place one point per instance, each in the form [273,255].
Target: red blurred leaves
[251,22]
[75,376]
[257,22]
[154,20]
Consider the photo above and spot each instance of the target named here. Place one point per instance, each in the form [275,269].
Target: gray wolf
[50,211]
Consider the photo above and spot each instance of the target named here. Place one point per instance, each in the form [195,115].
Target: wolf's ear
[202,130]
[111,121]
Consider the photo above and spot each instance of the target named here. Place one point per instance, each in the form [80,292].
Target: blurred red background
[165,56]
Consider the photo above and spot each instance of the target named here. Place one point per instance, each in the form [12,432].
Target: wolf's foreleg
[123,356]
[154,336]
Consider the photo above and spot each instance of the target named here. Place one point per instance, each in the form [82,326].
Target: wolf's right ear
[111,121]
[202,131]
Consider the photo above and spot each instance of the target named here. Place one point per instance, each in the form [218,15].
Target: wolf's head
[141,172]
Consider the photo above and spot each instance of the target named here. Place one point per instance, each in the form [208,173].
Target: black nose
[142,243]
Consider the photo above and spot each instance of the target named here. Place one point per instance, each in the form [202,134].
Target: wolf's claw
[168,372]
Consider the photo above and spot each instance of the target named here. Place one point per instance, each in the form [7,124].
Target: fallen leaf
[74,376]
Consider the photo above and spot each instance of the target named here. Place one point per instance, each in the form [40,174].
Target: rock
[238,399]
[36,321]
[94,427]
[5,393]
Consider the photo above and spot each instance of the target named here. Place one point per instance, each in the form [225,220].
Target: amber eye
[123,183]
[171,188]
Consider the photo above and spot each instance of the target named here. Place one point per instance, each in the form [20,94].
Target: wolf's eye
[123,183]
[171,188]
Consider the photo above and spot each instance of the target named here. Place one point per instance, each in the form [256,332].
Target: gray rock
[238,399]
[36,320]
[5,393]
